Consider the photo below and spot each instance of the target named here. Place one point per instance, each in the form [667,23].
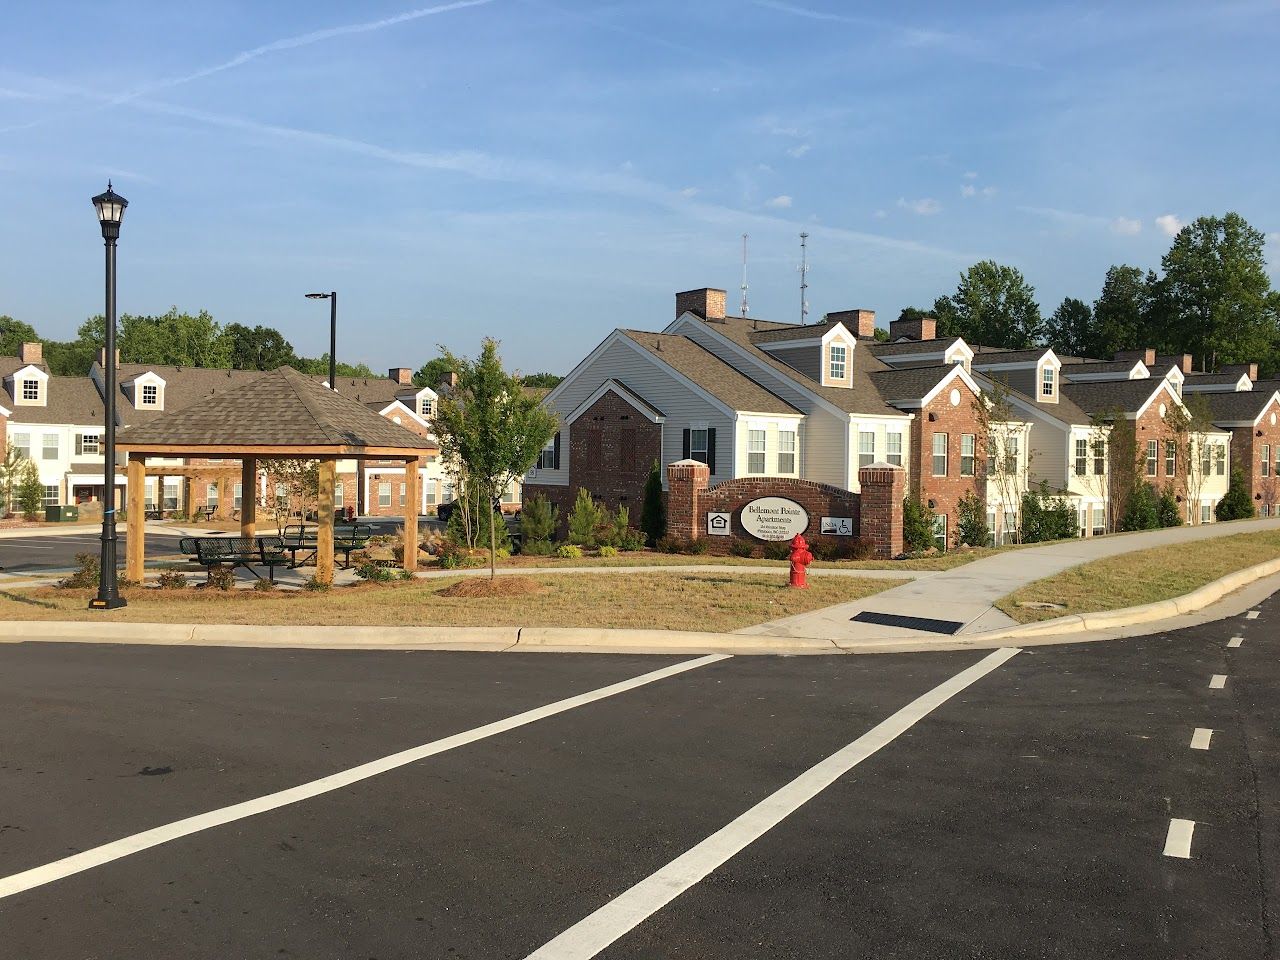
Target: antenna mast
[804,278]
[745,308]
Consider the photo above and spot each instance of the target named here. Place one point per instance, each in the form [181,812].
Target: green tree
[489,429]
[1168,513]
[13,334]
[538,519]
[70,358]
[1121,314]
[294,485]
[653,512]
[585,520]
[542,381]
[993,305]
[258,348]
[1236,505]
[917,525]
[10,472]
[972,521]
[1142,509]
[1046,517]
[29,491]
[319,367]
[1070,329]
[432,372]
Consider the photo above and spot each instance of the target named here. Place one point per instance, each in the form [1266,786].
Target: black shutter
[555,456]
[711,450]
[686,446]
[79,444]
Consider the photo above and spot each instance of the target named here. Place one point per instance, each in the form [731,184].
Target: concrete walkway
[964,596]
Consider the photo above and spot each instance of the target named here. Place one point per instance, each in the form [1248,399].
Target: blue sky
[545,170]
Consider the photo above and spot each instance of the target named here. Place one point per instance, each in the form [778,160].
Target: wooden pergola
[282,414]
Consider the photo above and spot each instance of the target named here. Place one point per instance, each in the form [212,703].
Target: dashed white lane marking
[1178,841]
[97,856]
[589,936]
[1251,615]
[1218,682]
[1200,739]
[1235,641]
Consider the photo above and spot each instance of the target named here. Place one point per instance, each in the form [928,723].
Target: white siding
[771,426]
[880,428]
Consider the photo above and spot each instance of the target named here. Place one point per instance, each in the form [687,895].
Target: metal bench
[347,538]
[241,552]
[206,513]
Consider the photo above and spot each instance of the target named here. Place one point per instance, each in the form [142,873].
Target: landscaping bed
[1144,576]
[654,558]
[649,600]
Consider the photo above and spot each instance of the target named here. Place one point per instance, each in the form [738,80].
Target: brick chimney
[1147,356]
[919,328]
[861,323]
[706,302]
[401,375]
[1250,370]
[1183,361]
[449,381]
[102,357]
[31,353]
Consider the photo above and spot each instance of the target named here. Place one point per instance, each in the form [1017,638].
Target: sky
[543,171]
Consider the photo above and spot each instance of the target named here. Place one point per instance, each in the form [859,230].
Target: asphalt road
[36,553]
[1025,816]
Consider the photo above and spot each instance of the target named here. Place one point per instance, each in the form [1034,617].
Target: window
[547,458]
[51,495]
[1099,457]
[866,448]
[1009,532]
[88,444]
[1266,459]
[1220,459]
[1170,458]
[509,494]
[939,454]
[337,496]
[22,442]
[150,395]
[1206,459]
[698,446]
[169,497]
[1153,457]
[1275,471]
[30,389]
[839,355]
[426,407]
[384,494]
[49,447]
[786,451]
[149,493]
[755,451]
[991,528]
[940,530]
[237,496]
[402,493]
[282,495]
[968,445]
[432,495]
[1012,448]
[895,448]
[1082,456]
[1206,513]
[1048,382]
[1099,520]
[211,495]
[1083,522]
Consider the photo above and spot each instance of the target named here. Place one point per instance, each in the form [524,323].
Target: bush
[696,547]
[86,572]
[741,548]
[608,551]
[971,515]
[585,520]
[28,492]
[1142,510]
[822,550]
[653,514]
[316,586]
[917,525]
[538,519]
[537,548]
[852,549]
[374,573]
[220,578]
[777,550]
[171,580]
[1168,513]
[1047,517]
[1236,505]
[631,539]
[569,551]
[265,586]
[669,544]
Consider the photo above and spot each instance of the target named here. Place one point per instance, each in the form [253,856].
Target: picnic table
[347,538]
[240,552]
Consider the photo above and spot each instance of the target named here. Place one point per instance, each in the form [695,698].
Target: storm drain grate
[908,623]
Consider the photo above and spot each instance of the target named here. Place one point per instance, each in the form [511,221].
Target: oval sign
[774,518]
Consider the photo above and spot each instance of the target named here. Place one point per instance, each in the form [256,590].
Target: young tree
[1004,456]
[489,428]
[917,525]
[1070,330]
[301,482]
[993,305]
[538,519]
[653,512]
[1046,516]
[585,520]
[10,473]
[29,491]
[1168,513]
[1141,510]
[972,521]
[1188,428]
[1236,505]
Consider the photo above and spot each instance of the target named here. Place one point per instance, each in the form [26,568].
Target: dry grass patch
[665,601]
[1145,576]
[514,586]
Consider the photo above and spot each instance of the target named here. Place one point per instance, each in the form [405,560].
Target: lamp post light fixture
[332,297]
[110,206]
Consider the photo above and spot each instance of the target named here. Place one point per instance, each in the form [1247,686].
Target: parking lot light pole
[110,206]
[332,297]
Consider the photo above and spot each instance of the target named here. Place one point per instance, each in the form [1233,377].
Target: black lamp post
[332,297]
[110,206]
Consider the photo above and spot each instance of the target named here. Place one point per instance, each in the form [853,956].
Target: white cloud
[1125,226]
[968,190]
[970,175]
[799,150]
[925,207]
[1169,224]
[781,202]
[689,192]
[881,214]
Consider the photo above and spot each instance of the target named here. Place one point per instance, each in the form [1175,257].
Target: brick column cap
[880,473]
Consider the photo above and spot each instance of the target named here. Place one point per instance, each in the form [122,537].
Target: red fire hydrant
[800,558]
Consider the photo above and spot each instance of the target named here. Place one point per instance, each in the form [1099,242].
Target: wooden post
[135,532]
[324,532]
[248,496]
[412,505]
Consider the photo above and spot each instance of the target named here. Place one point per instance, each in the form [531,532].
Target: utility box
[61,514]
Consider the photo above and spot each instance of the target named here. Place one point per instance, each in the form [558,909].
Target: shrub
[608,551]
[537,548]
[171,580]
[631,539]
[374,573]
[741,548]
[1141,512]
[316,586]
[85,574]
[1168,513]
[668,544]
[917,525]
[585,520]
[822,550]
[860,548]
[28,492]
[569,551]
[1236,505]
[653,513]
[777,550]
[972,520]
[538,519]
[406,575]
[696,547]
[265,586]
[1047,517]
[220,578]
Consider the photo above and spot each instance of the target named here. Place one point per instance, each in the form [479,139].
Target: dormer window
[1048,382]
[838,359]
[150,395]
[426,407]
[31,390]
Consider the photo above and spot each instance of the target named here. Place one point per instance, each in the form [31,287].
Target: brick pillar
[686,479]
[883,487]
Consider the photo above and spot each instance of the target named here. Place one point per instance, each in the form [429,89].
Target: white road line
[126,846]
[1218,682]
[1235,641]
[589,936]
[1251,615]
[1178,842]
[1200,739]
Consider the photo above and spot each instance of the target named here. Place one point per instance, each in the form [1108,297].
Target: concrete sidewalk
[964,597]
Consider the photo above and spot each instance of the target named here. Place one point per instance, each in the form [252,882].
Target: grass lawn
[1145,576]
[657,600]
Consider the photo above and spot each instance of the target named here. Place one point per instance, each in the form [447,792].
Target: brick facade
[883,489]
[1246,454]
[957,420]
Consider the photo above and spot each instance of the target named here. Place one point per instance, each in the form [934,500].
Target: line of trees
[1212,298]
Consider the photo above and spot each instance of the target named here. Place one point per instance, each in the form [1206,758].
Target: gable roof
[912,383]
[709,372]
[808,331]
[1238,407]
[906,347]
[1104,396]
[282,408]
[1083,366]
[70,400]
[1064,411]
[183,386]
[988,356]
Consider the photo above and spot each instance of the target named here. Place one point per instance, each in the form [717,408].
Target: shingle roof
[1103,396]
[910,383]
[782,332]
[183,386]
[371,389]
[983,356]
[1212,378]
[1234,407]
[1065,409]
[279,408]
[940,345]
[1084,366]
[709,372]
[72,400]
